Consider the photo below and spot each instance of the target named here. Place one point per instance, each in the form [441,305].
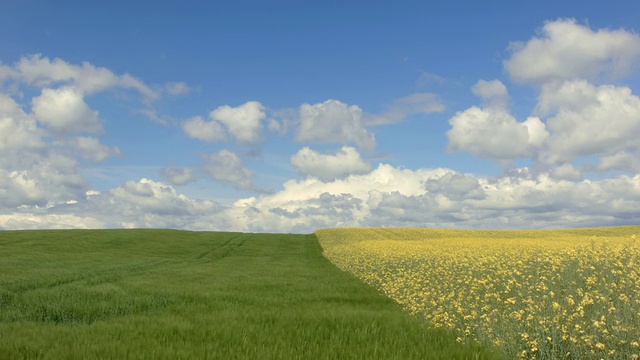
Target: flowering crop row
[557,294]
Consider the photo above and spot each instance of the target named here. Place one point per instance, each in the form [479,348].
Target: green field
[166,294]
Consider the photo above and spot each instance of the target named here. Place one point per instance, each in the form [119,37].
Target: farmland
[164,294]
[556,294]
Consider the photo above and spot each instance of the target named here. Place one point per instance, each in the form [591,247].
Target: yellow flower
[505,287]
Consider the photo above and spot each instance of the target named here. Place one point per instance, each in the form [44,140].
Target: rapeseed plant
[572,294]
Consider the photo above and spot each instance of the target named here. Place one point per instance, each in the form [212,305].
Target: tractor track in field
[110,274]
[92,278]
[10,290]
[225,248]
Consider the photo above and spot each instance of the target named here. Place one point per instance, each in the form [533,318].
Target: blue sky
[290,116]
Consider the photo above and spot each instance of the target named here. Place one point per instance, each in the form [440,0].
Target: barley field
[552,294]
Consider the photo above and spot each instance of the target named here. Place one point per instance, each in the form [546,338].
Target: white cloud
[18,131]
[244,122]
[36,170]
[494,93]
[494,133]
[147,203]
[626,160]
[567,50]
[566,172]
[333,122]
[327,167]
[64,110]
[38,178]
[384,178]
[86,78]
[387,196]
[491,131]
[178,176]
[198,128]
[310,204]
[576,120]
[90,148]
[440,198]
[18,188]
[20,221]
[587,120]
[456,186]
[227,167]
[157,198]
[135,204]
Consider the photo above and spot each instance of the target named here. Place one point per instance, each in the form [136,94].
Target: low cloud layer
[386,196]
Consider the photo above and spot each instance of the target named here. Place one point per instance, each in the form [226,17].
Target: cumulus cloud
[386,196]
[18,130]
[573,119]
[576,120]
[328,167]
[64,110]
[134,204]
[456,186]
[586,120]
[227,167]
[309,204]
[18,188]
[198,128]
[494,93]
[491,131]
[566,172]
[177,175]
[626,160]
[29,179]
[334,122]
[90,148]
[157,198]
[36,168]
[565,49]
[85,78]
[20,221]
[244,122]
[147,203]
[389,196]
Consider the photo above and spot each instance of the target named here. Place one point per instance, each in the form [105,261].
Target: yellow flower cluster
[552,294]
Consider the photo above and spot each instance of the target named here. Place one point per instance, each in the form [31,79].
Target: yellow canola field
[545,294]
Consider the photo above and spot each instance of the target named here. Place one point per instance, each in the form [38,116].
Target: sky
[291,116]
